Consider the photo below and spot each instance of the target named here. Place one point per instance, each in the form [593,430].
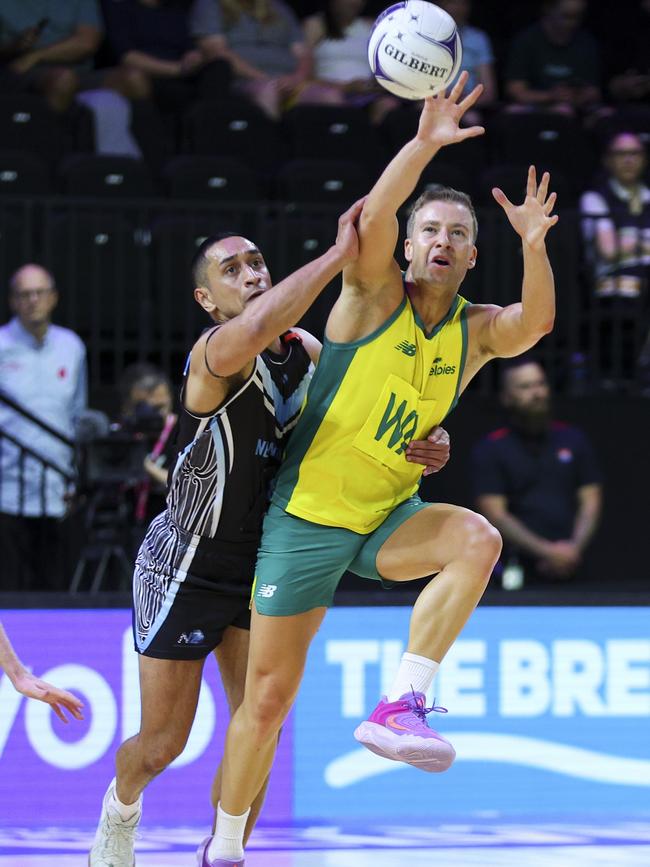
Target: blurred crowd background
[132,129]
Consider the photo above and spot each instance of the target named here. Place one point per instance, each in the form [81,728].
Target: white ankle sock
[126,811]
[228,842]
[414,673]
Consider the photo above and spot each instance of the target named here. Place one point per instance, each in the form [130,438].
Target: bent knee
[159,754]
[481,538]
[268,706]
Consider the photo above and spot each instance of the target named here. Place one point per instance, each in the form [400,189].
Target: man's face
[441,249]
[33,296]
[158,398]
[236,274]
[626,159]
[526,391]
[566,17]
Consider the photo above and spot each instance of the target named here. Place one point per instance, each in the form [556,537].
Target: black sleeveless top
[220,484]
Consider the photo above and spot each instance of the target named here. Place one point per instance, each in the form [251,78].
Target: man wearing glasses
[43,370]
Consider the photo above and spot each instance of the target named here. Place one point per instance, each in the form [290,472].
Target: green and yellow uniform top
[345,464]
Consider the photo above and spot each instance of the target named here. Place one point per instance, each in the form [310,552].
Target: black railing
[13,451]
[122,268]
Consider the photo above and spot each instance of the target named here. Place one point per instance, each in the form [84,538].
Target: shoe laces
[416,704]
[117,837]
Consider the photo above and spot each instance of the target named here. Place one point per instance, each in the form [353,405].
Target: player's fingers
[542,190]
[501,198]
[353,211]
[550,203]
[457,89]
[469,132]
[531,181]
[57,710]
[471,98]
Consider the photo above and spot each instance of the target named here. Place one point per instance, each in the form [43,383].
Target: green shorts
[299,563]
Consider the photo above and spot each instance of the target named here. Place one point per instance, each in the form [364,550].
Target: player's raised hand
[441,116]
[347,239]
[533,218]
[33,687]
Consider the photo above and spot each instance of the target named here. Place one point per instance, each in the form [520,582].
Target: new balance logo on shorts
[193,637]
[407,348]
[267,590]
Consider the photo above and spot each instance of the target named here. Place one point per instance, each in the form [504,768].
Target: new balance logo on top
[407,348]
[439,368]
[267,590]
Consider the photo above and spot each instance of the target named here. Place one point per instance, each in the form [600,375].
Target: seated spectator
[554,65]
[478,57]
[48,47]
[537,480]
[337,39]
[264,44]
[158,63]
[616,231]
[42,369]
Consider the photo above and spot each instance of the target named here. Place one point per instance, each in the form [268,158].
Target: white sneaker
[115,839]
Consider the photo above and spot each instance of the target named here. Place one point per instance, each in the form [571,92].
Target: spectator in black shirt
[554,65]
[537,480]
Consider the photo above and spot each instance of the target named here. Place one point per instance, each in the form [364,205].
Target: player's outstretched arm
[439,126]
[239,340]
[32,687]
[511,330]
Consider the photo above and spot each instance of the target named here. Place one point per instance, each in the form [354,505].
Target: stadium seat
[232,128]
[322,182]
[400,126]
[112,177]
[549,140]
[23,174]
[298,240]
[101,264]
[28,125]
[331,132]
[218,179]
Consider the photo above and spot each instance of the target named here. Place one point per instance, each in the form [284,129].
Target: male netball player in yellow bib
[399,350]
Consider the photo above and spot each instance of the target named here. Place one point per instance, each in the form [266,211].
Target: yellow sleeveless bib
[345,464]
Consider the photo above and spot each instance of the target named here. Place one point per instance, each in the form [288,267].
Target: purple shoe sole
[203,861]
[432,754]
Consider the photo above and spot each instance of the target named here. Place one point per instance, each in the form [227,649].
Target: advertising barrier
[549,711]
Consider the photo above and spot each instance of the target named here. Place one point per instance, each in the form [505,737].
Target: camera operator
[147,409]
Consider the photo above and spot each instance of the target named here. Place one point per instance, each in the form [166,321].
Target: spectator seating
[105,176]
[23,174]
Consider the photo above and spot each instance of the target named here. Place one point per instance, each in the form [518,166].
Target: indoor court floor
[488,843]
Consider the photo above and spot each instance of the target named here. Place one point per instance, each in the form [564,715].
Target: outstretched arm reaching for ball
[32,687]
[507,331]
[439,126]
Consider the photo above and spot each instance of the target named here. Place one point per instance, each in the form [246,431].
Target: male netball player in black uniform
[242,393]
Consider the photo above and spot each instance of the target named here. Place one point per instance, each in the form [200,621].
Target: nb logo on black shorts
[193,637]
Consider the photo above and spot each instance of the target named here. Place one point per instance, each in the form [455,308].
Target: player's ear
[204,298]
[472,258]
[408,249]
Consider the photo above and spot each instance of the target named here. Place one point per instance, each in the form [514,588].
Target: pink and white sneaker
[203,861]
[398,730]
